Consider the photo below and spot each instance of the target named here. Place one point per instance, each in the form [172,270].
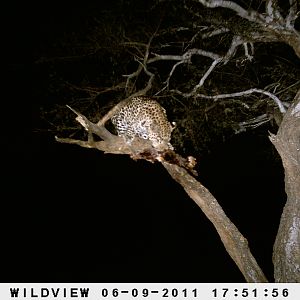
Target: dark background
[77,215]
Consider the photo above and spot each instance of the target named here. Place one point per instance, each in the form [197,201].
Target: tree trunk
[286,251]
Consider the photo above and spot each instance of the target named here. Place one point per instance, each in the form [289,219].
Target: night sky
[77,215]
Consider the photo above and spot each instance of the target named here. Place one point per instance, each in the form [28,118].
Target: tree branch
[186,57]
[248,56]
[254,122]
[250,15]
[292,15]
[238,94]
[272,10]
[214,32]
[234,242]
[179,168]
[202,80]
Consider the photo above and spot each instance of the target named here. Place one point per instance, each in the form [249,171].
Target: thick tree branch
[234,242]
[250,15]
[101,131]
[179,168]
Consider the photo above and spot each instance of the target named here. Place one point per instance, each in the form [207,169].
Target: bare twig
[256,122]
[167,82]
[95,91]
[149,83]
[131,76]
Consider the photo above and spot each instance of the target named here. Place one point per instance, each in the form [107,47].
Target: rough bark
[286,252]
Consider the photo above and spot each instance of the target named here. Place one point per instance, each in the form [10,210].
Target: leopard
[145,118]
